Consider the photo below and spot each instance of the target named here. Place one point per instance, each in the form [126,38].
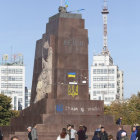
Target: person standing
[138,134]
[82,132]
[63,135]
[69,130]
[34,133]
[119,121]
[120,130]
[103,134]
[73,132]
[134,133]
[29,133]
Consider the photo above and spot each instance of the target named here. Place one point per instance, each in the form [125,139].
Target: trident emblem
[73,90]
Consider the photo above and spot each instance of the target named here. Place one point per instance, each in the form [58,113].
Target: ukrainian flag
[72,75]
[66,3]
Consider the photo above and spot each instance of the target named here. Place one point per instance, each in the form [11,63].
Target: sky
[22,22]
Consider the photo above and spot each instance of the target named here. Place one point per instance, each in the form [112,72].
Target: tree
[128,109]
[5,110]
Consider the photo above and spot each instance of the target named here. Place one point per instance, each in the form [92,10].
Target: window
[11,71]
[104,85]
[108,99]
[103,71]
[94,71]
[103,78]
[11,85]
[95,92]
[11,78]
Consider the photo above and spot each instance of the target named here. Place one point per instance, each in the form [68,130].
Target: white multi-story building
[106,78]
[12,83]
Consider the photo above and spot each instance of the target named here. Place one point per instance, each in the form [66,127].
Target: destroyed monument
[60,83]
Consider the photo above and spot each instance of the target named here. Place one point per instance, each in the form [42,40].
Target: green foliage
[128,109]
[5,110]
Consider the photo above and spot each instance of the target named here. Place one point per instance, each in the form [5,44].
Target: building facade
[106,80]
[12,83]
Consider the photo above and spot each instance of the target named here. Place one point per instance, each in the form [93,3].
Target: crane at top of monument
[79,10]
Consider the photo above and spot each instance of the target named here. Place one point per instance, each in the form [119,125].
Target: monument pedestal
[51,115]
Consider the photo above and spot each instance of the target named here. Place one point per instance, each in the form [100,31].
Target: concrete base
[51,115]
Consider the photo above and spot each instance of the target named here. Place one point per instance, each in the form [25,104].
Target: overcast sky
[22,22]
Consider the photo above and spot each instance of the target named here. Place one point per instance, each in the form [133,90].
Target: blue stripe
[72,73]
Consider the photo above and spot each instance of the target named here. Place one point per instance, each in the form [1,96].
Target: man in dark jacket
[82,132]
[119,121]
[103,134]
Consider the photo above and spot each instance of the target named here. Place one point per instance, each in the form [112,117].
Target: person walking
[138,134]
[34,133]
[134,133]
[73,132]
[63,135]
[29,129]
[103,134]
[82,133]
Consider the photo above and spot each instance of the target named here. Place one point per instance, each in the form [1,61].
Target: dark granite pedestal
[51,115]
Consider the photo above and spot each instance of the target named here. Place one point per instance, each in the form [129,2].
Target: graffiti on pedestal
[59,108]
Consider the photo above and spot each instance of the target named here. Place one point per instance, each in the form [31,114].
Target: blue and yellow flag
[72,75]
[66,3]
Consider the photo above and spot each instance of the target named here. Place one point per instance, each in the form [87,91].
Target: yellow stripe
[73,76]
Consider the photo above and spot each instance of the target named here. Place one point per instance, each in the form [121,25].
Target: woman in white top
[63,135]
